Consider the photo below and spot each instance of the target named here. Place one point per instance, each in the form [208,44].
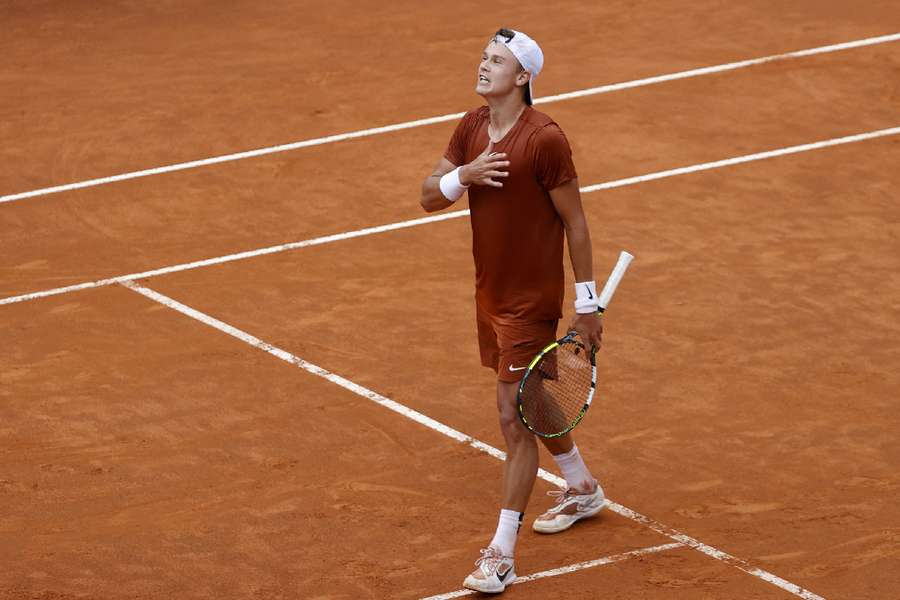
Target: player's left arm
[566,199]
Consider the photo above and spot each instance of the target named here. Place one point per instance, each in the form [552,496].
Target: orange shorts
[508,347]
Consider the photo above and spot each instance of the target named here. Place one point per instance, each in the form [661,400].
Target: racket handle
[613,282]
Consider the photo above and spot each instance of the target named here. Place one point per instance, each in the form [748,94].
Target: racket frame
[606,295]
[569,338]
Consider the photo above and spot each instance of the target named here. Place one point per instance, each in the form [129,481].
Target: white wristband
[586,300]
[451,188]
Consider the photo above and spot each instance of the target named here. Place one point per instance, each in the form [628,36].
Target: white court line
[606,560]
[849,139]
[450,117]
[440,217]
[239,256]
[461,437]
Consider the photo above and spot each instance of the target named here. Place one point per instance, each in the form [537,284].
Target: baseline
[443,217]
[414,415]
[606,560]
[449,117]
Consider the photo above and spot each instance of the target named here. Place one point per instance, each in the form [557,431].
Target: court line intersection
[588,564]
[674,535]
[679,539]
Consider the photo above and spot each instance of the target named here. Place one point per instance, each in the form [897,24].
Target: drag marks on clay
[606,560]
[409,413]
[449,117]
[122,279]
[699,486]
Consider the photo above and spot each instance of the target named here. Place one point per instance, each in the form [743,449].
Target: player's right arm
[480,171]
[432,198]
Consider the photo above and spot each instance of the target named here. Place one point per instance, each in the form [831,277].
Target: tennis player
[517,166]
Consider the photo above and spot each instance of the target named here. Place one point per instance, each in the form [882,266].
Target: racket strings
[557,388]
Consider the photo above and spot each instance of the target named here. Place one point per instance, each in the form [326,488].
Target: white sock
[507,529]
[574,470]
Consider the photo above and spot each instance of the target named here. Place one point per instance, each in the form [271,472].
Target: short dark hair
[509,34]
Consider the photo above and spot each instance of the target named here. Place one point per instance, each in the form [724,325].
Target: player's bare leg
[521,465]
[583,496]
[559,445]
[570,463]
[496,567]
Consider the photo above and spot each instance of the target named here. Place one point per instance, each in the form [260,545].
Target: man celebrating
[517,166]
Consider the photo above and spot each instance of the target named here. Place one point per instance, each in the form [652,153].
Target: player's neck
[504,114]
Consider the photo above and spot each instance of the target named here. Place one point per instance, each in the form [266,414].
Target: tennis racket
[558,386]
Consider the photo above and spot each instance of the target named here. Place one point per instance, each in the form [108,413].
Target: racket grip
[612,283]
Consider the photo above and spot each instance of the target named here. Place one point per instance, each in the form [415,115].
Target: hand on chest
[518,154]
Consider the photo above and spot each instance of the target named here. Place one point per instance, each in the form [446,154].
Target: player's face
[499,72]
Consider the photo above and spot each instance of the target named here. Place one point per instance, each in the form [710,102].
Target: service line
[442,217]
[606,560]
[449,117]
[459,436]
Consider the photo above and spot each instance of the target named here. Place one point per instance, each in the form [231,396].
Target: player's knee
[511,427]
[508,421]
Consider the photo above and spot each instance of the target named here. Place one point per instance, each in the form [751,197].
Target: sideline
[606,560]
[461,437]
[442,217]
[443,118]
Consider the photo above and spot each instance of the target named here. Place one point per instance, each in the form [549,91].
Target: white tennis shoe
[493,573]
[571,505]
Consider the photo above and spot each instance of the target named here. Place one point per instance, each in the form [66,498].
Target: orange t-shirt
[517,235]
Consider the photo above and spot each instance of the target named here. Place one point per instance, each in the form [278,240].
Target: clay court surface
[747,415]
